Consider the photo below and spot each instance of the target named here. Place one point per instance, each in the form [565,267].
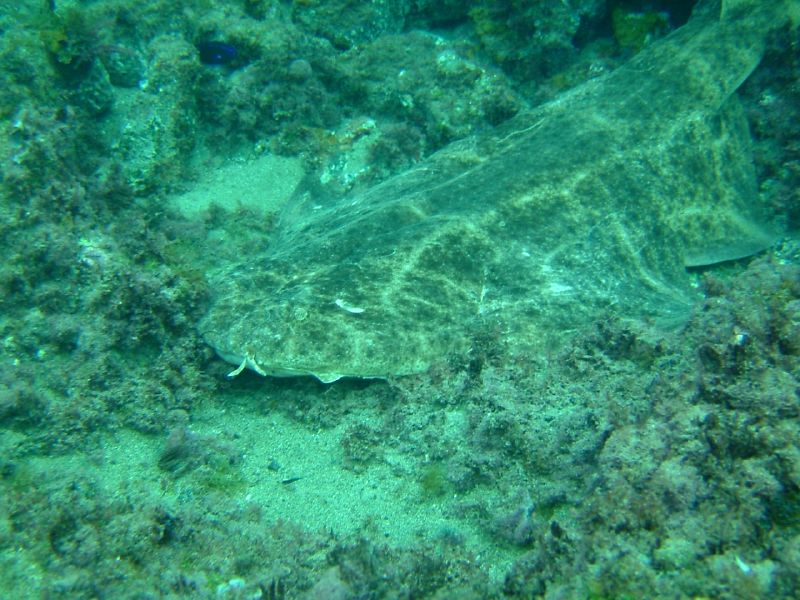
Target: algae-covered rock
[634,30]
[346,23]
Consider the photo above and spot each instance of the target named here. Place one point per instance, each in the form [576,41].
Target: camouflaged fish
[592,204]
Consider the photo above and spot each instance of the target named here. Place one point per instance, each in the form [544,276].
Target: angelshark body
[594,203]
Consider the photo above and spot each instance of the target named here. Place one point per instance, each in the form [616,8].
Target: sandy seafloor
[633,462]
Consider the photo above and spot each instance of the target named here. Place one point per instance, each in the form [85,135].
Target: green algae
[633,31]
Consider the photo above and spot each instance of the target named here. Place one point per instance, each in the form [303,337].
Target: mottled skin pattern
[595,202]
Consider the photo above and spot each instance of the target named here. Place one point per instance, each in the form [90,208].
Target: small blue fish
[216,53]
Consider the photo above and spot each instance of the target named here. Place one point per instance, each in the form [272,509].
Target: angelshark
[592,204]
